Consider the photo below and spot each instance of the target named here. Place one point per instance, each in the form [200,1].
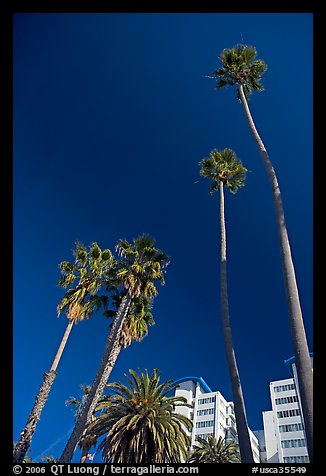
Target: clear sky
[112,114]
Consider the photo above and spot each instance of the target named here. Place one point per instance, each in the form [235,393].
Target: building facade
[210,413]
[283,439]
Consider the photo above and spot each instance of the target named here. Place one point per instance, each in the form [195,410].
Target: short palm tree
[141,424]
[80,302]
[224,169]
[240,67]
[88,439]
[139,267]
[211,450]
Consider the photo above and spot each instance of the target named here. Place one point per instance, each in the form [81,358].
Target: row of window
[291,427]
[209,411]
[284,388]
[202,401]
[204,424]
[291,399]
[296,459]
[298,443]
[288,413]
[206,411]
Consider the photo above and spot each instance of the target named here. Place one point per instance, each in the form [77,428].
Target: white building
[284,439]
[210,413]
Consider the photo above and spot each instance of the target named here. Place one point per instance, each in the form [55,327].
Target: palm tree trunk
[111,352]
[62,346]
[299,340]
[237,396]
[26,435]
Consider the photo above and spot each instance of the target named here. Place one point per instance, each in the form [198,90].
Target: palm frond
[80,254]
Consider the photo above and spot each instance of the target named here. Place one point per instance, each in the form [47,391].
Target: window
[288,413]
[206,411]
[296,459]
[284,388]
[298,443]
[281,401]
[292,427]
[202,401]
[204,424]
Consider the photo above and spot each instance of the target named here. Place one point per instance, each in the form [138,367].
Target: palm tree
[224,169]
[141,424]
[87,439]
[214,451]
[80,303]
[140,265]
[135,328]
[241,68]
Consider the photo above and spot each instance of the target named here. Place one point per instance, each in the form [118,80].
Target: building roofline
[200,380]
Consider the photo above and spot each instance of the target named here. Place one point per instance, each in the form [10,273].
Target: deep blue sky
[112,114]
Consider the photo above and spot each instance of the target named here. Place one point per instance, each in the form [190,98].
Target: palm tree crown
[240,67]
[140,264]
[223,166]
[214,451]
[140,422]
[90,268]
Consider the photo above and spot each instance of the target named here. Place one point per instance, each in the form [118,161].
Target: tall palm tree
[141,264]
[80,302]
[214,451]
[241,68]
[225,170]
[141,424]
[135,328]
